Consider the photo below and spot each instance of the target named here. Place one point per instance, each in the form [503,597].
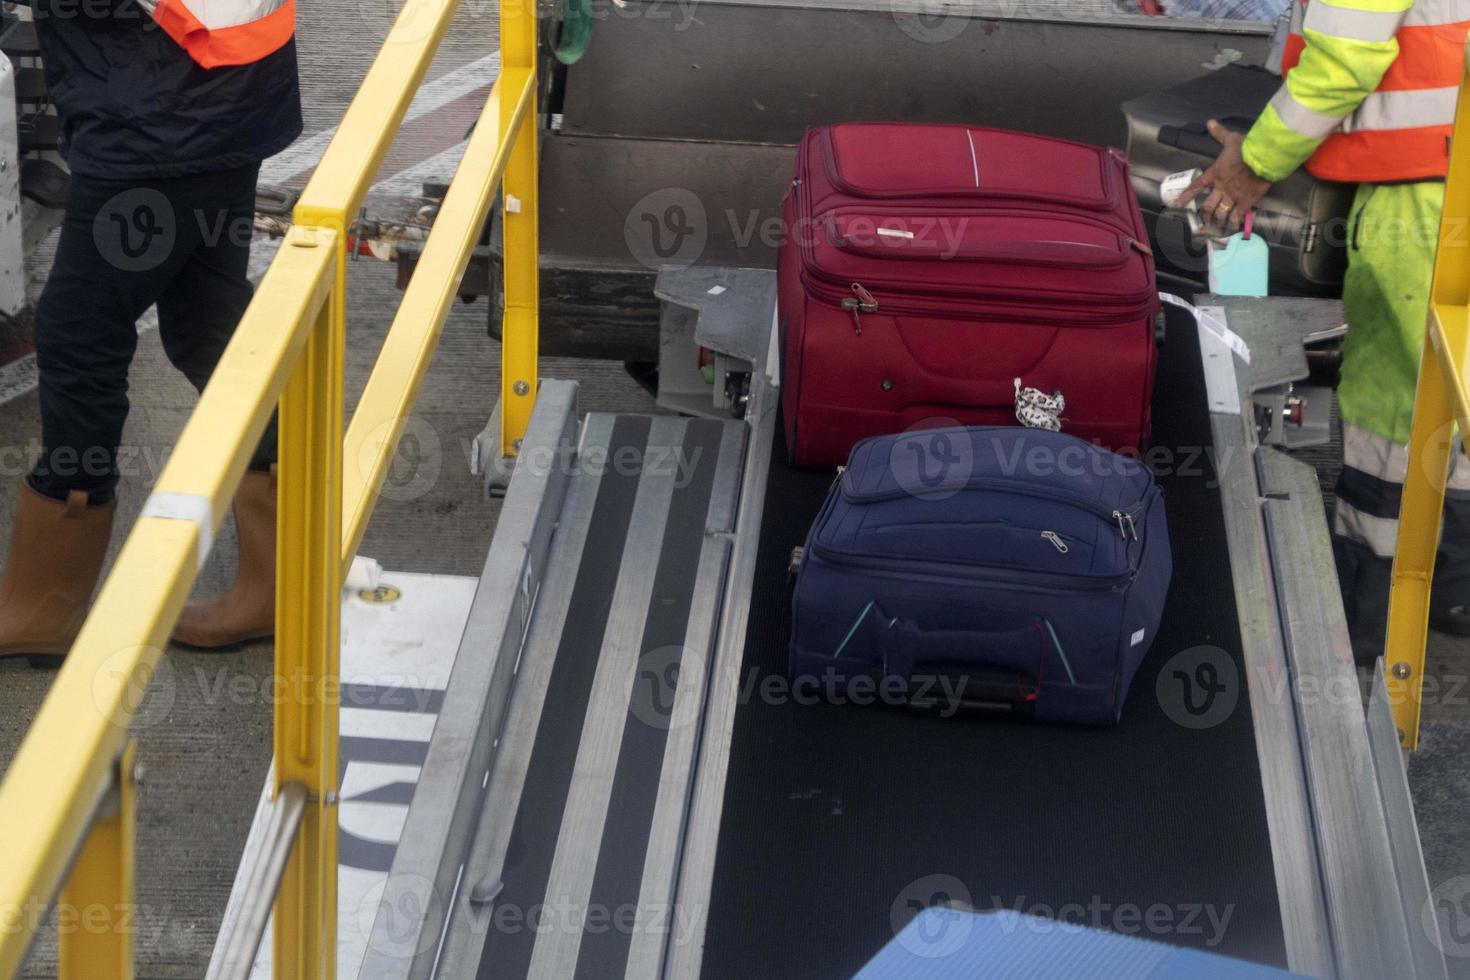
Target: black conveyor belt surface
[840,821]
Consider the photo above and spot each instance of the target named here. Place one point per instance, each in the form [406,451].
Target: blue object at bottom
[951,944]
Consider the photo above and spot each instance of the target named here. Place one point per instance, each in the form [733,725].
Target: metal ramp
[613,790]
[592,776]
[556,791]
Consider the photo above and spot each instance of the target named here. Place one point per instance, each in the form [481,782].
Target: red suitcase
[925,268]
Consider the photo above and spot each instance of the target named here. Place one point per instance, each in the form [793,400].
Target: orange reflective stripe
[1429,61]
[1429,57]
[1292,53]
[216,47]
[1382,156]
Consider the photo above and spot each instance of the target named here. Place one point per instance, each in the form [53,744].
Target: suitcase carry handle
[1194,137]
[982,668]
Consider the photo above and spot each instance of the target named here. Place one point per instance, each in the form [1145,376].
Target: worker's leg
[119,245]
[202,304]
[1386,295]
[197,315]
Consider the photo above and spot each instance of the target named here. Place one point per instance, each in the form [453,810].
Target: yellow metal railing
[66,815]
[1439,403]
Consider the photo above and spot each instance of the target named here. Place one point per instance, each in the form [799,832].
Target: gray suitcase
[1303,219]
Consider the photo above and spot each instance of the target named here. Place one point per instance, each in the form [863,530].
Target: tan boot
[248,610]
[56,553]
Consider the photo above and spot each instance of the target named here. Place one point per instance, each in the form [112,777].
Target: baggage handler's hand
[1234,188]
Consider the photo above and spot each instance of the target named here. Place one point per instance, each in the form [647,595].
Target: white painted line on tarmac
[410,181]
[404,649]
[20,377]
[17,378]
[303,155]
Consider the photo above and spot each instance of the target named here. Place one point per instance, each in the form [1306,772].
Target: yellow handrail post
[1413,563]
[308,615]
[519,210]
[95,916]
[1439,401]
[384,408]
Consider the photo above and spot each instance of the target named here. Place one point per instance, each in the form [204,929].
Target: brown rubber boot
[56,553]
[248,610]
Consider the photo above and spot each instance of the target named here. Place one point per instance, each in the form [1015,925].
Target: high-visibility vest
[225,32]
[1402,130]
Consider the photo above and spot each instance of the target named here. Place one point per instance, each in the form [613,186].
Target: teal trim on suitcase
[853,629]
[1060,652]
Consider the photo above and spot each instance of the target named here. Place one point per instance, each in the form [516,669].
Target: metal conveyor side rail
[1349,873]
[1361,879]
[685,949]
[1288,805]
[426,868]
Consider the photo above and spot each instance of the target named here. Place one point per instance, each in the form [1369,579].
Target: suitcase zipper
[1129,235]
[860,302]
[1144,297]
[1123,517]
[1007,314]
[1063,252]
[1021,578]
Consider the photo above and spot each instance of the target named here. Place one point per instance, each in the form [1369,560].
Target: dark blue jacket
[133,104]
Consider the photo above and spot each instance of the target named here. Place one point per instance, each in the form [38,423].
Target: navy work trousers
[182,243]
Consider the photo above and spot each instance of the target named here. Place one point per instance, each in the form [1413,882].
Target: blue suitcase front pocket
[977,656]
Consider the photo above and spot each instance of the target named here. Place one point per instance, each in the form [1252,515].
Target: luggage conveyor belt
[860,811]
[619,786]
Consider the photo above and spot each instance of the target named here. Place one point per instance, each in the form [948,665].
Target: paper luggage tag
[1240,266]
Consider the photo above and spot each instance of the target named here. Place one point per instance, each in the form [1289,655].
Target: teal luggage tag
[1240,266]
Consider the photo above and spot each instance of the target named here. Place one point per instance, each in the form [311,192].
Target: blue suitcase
[994,567]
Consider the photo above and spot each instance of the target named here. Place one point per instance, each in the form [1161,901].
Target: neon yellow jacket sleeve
[1350,45]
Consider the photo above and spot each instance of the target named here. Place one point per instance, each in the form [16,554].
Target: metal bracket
[486,459]
[1294,416]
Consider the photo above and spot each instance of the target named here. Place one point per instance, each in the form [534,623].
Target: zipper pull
[1056,539]
[861,301]
[1126,525]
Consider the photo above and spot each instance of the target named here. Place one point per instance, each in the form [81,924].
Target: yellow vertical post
[519,208]
[1413,561]
[1439,401]
[95,915]
[308,617]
